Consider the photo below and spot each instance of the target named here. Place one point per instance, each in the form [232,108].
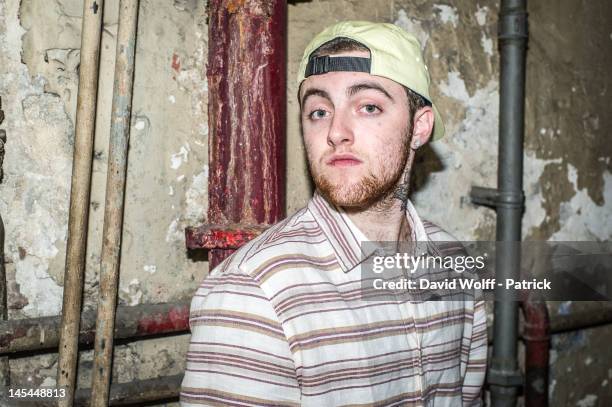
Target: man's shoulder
[280,240]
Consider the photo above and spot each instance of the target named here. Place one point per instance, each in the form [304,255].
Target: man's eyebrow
[353,90]
[314,92]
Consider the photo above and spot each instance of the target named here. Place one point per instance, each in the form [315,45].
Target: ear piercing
[416,144]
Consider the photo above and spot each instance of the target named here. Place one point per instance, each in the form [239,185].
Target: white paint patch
[171,99]
[455,87]
[604,383]
[487,44]
[140,124]
[49,382]
[132,294]
[588,401]
[177,159]
[588,361]
[180,178]
[174,232]
[481,15]
[197,196]
[170,190]
[532,170]
[581,218]
[554,355]
[551,388]
[448,14]
[150,268]
[413,26]
[565,308]
[43,293]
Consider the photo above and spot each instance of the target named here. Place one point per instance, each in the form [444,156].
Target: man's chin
[347,198]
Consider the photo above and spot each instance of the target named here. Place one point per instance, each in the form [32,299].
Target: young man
[282,321]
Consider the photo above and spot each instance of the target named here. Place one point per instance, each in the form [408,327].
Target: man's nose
[340,131]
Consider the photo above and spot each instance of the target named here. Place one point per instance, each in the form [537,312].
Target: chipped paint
[43,293]
[197,196]
[590,400]
[413,26]
[487,44]
[448,14]
[140,124]
[455,87]
[583,219]
[481,15]
[177,159]
[565,308]
[174,233]
[132,294]
[535,213]
[150,268]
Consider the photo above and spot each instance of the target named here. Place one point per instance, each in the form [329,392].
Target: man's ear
[422,127]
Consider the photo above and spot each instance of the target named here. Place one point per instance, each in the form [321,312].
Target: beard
[371,190]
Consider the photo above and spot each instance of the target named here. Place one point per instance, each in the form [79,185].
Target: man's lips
[343,160]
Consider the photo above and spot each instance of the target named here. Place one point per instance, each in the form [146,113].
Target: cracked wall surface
[166,181]
[567,174]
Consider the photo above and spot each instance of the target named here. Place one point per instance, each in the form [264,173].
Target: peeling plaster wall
[166,188]
[567,174]
[167,173]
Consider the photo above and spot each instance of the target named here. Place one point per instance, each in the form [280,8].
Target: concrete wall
[568,180]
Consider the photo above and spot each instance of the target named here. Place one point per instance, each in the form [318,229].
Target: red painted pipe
[536,335]
[246,111]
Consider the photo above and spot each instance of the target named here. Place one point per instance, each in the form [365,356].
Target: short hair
[342,44]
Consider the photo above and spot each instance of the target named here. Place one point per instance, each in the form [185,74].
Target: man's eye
[318,114]
[370,109]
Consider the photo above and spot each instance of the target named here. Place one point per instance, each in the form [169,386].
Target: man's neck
[382,222]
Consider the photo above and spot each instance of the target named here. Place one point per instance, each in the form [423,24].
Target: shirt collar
[346,238]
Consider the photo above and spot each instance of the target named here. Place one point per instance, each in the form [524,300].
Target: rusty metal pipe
[115,195]
[537,342]
[79,195]
[247,98]
[35,334]
[4,362]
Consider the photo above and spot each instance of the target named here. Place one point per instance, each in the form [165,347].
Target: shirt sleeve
[238,353]
[477,357]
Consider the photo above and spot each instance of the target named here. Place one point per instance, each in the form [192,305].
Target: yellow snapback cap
[394,54]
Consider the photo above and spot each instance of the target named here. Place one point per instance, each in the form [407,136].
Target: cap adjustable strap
[324,64]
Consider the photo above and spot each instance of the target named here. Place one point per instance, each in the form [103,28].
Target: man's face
[355,129]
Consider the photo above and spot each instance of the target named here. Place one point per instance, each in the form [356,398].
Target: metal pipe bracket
[513,25]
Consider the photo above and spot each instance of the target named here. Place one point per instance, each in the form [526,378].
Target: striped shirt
[282,323]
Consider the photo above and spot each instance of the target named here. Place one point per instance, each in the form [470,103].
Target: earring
[416,144]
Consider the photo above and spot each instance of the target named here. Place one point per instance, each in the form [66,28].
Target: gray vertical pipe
[504,374]
[114,204]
